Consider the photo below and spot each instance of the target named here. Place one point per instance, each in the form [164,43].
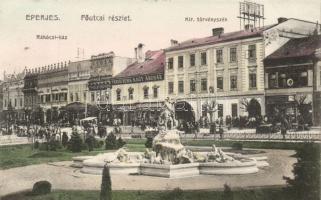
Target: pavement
[62,176]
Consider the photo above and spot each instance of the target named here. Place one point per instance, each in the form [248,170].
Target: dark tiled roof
[154,63]
[225,37]
[296,50]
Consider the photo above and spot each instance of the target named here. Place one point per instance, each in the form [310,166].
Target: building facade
[31,98]
[53,91]
[138,91]
[293,80]
[226,68]
[13,98]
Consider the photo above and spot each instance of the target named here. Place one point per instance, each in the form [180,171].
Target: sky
[153,23]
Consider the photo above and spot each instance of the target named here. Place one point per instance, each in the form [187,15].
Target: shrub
[175,194]
[90,141]
[227,193]
[106,192]
[111,142]
[306,181]
[36,145]
[64,139]
[120,143]
[149,142]
[44,146]
[237,146]
[53,145]
[75,142]
[41,187]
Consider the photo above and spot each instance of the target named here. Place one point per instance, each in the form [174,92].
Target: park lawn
[276,193]
[23,155]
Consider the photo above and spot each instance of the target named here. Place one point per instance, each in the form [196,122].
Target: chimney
[248,27]
[174,42]
[282,19]
[136,55]
[140,54]
[217,31]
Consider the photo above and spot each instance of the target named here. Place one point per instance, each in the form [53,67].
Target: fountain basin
[94,167]
[77,162]
[169,171]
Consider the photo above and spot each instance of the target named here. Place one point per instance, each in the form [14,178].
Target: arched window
[130,93]
[118,94]
[146,92]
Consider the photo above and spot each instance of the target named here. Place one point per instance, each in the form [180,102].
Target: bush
[106,192]
[44,146]
[237,146]
[41,187]
[36,145]
[111,142]
[75,142]
[227,193]
[120,143]
[53,145]
[90,141]
[175,194]
[149,142]
[64,139]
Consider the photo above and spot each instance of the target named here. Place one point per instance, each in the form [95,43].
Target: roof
[297,50]
[225,37]
[153,64]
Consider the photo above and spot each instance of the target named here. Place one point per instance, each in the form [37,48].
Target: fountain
[169,158]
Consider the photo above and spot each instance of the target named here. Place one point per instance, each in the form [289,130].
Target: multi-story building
[138,91]
[104,67]
[31,98]
[53,91]
[293,79]
[226,68]
[1,102]
[13,97]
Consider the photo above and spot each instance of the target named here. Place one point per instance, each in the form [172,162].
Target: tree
[120,142]
[64,140]
[111,142]
[106,192]
[306,182]
[304,107]
[75,142]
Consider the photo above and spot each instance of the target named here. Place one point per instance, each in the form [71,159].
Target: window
[71,97]
[252,80]
[192,86]
[252,52]
[118,94]
[192,60]
[92,96]
[130,93]
[220,110]
[233,82]
[273,83]
[170,63]
[85,96]
[203,58]
[47,98]
[234,109]
[15,102]
[77,96]
[5,103]
[180,61]
[146,95]
[219,82]
[155,92]
[204,84]
[20,102]
[232,55]
[180,86]
[170,87]
[219,56]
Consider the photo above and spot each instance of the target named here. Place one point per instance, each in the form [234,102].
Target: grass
[276,193]
[23,155]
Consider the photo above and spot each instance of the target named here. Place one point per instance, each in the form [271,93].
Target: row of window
[219,57]
[76,96]
[15,102]
[56,97]
[219,84]
[131,93]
